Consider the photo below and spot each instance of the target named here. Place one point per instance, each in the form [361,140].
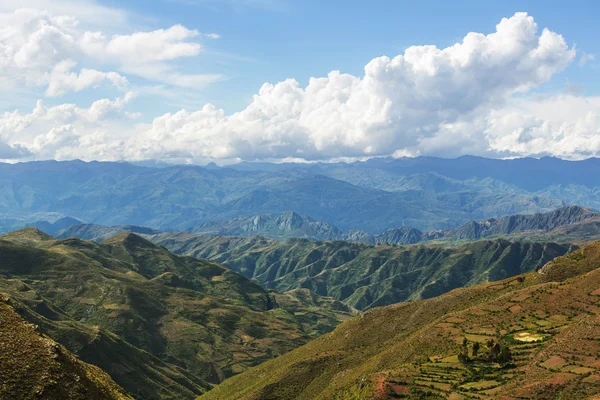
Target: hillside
[164,326]
[534,336]
[365,276]
[34,366]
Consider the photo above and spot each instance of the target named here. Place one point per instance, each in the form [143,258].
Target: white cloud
[585,58]
[398,103]
[143,47]
[62,80]
[41,49]
[467,98]
[84,10]
[146,54]
[65,131]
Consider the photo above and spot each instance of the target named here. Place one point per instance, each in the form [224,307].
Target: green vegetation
[36,367]
[163,326]
[364,276]
[457,345]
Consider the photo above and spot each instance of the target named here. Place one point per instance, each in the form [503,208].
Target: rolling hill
[365,276]
[163,326]
[533,336]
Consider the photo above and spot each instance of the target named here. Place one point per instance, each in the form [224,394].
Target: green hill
[534,336]
[364,276]
[163,326]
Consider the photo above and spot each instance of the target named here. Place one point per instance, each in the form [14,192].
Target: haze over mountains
[423,193]
[572,223]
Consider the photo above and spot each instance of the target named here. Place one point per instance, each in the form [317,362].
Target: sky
[198,81]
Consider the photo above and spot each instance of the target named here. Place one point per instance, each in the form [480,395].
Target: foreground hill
[34,366]
[534,336]
[365,276]
[163,326]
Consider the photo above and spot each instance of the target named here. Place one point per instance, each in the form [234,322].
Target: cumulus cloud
[65,131]
[38,49]
[62,80]
[468,98]
[15,152]
[397,104]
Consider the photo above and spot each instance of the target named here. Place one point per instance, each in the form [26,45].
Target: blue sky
[271,40]
[182,80]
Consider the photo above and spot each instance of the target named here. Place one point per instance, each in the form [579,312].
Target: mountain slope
[197,315]
[365,276]
[34,366]
[534,336]
[543,222]
[140,373]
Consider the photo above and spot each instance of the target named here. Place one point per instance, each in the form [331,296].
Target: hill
[365,276]
[164,326]
[533,336]
[34,366]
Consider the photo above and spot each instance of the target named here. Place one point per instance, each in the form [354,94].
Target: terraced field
[535,336]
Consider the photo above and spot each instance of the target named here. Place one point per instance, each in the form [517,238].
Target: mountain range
[365,276]
[572,223]
[372,196]
[162,326]
[388,278]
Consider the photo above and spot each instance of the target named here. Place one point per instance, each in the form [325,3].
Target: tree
[475,349]
[505,355]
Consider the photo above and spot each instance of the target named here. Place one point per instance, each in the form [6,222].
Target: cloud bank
[472,97]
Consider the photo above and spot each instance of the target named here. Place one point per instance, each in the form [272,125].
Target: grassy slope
[187,312]
[34,366]
[365,276]
[410,349]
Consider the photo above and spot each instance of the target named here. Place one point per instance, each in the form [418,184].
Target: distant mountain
[533,336]
[283,226]
[529,174]
[163,326]
[35,366]
[52,228]
[360,275]
[565,224]
[372,196]
[535,223]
